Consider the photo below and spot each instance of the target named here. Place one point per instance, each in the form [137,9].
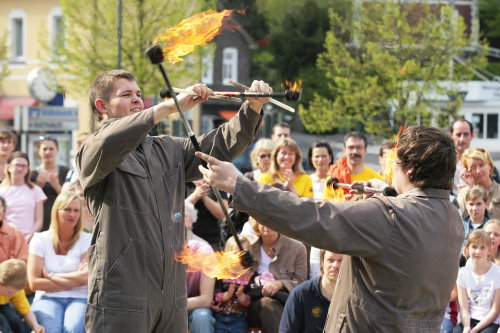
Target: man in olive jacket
[403,250]
[134,185]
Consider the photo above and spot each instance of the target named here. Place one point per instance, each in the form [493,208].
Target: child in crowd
[476,202]
[230,298]
[13,279]
[478,287]
[492,228]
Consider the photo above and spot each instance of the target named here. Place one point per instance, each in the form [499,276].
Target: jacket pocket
[133,187]
[174,189]
[125,279]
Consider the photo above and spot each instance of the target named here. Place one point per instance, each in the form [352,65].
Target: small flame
[220,265]
[294,86]
[194,31]
[391,156]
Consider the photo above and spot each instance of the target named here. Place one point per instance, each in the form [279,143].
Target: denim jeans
[233,323]
[201,320]
[59,315]
[446,326]
[11,321]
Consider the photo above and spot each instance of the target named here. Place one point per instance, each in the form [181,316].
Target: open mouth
[135,110]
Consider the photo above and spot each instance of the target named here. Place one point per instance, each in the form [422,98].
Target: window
[56,29]
[485,125]
[229,65]
[207,67]
[17,39]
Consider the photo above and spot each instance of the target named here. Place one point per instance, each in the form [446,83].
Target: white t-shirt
[318,186]
[480,289]
[21,204]
[41,246]
[265,260]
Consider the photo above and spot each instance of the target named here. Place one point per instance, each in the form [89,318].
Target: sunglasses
[47,137]
[265,155]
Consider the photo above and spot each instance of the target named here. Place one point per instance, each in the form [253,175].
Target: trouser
[10,321]
[265,312]
[59,314]
[161,313]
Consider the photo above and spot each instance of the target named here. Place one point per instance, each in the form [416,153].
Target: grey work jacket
[404,252]
[137,200]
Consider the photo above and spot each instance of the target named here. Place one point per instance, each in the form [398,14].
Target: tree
[89,46]
[489,20]
[384,62]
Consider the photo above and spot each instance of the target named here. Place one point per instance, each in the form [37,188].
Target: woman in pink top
[24,199]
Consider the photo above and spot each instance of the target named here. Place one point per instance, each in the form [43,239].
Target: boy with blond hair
[13,279]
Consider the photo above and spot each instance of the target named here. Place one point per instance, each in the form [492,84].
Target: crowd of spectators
[45,232]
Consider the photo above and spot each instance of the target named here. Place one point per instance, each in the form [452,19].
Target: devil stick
[155,54]
[387,191]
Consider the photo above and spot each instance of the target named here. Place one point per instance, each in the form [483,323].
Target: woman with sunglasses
[24,199]
[261,158]
[49,175]
[478,170]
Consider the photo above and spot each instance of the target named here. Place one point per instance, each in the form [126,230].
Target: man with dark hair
[134,186]
[402,252]
[352,167]
[281,131]
[307,306]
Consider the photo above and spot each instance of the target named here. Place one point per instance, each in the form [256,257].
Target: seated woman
[57,268]
[286,170]
[478,170]
[281,263]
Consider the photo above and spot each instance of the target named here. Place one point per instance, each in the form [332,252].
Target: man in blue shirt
[307,306]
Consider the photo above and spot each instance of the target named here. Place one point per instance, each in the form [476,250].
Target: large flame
[220,265]
[391,156]
[195,31]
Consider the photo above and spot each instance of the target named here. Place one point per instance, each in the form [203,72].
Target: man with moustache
[307,306]
[352,167]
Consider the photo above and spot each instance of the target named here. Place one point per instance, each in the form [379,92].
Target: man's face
[355,151]
[280,133]
[331,265]
[124,99]
[461,135]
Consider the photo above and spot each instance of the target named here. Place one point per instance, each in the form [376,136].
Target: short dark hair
[102,86]
[430,153]
[386,145]
[356,135]
[464,120]
[319,144]
[283,125]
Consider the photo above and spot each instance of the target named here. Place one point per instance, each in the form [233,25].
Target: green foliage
[489,13]
[4,70]
[383,63]
[90,40]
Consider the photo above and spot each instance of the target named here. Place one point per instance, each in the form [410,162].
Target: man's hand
[187,102]
[256,103]
[222,175]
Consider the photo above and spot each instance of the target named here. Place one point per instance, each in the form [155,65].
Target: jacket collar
[427,192]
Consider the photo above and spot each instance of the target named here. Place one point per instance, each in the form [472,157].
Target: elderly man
[402,252]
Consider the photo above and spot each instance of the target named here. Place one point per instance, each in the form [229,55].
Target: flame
[391,156]
[294,86]
[220,265]
[191,32]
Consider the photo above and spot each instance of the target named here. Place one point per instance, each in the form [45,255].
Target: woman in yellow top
[286,170]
